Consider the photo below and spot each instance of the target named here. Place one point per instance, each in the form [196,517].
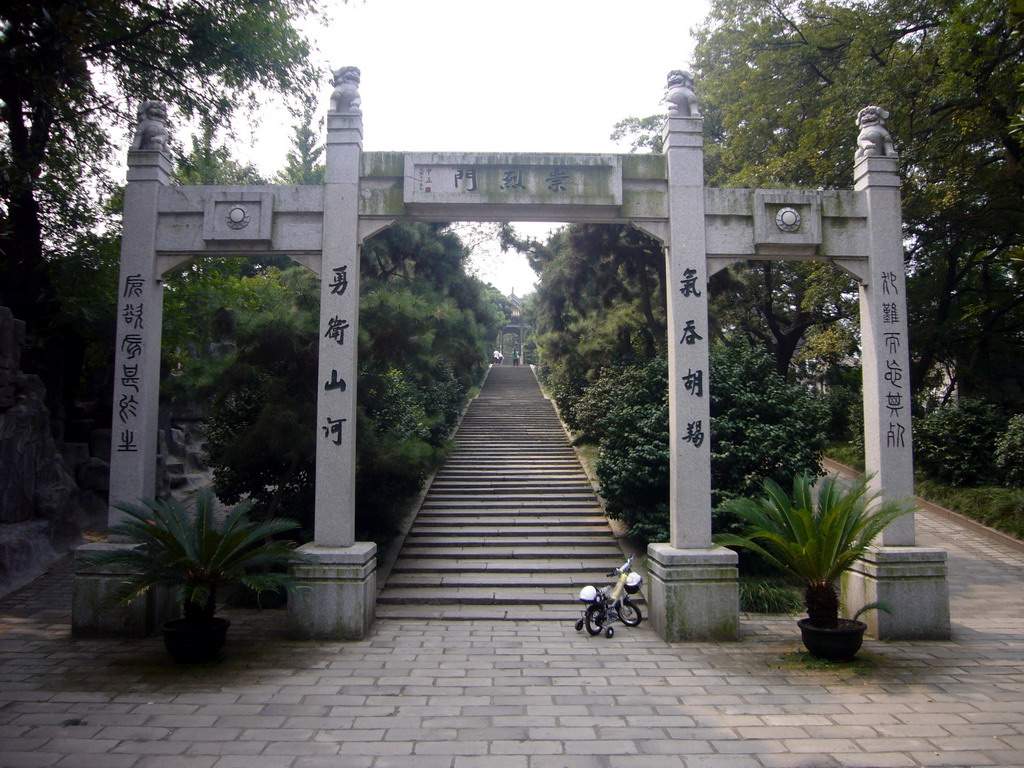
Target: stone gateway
[693,593]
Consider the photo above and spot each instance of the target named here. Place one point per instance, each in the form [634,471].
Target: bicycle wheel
[629,613]
[596,617]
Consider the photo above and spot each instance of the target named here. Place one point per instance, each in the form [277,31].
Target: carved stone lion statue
[345,99]
[151,129]
[874,138]
[679,95]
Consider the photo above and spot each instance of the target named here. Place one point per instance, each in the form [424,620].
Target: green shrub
[955,444]
[846,453]
[1010,451]
[625,387]
[443,400]
[844,407]
[999,508]
[393,402]
[761,428]
[632,464]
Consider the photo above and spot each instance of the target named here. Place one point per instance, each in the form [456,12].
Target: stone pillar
[693,591]
[340,578]
[136,400]
[912,579]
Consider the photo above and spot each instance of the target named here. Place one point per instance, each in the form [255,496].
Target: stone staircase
[510,528]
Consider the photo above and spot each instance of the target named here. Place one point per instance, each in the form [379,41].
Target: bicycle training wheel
[595,618]
[629,612]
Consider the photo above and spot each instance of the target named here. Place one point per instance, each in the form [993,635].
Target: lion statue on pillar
[345,99]
[874,138]
[151,129]
[679,95]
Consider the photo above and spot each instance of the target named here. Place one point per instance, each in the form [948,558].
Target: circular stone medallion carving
[238,218]
[788,219]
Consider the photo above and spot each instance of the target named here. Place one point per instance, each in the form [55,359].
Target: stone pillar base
[912,580]
[337,591]
[95,612]
[693,593]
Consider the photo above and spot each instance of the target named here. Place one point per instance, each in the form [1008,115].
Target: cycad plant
[191,551]
[813,535]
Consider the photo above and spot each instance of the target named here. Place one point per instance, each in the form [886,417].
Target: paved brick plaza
[528,694]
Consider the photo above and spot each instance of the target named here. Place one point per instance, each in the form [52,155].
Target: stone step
[590,529]
[484,488]
[534,595]
[533,505]
[462,612]
[488,512]
[478,552]
[572,580]
[515,539]
[510,527]
[592,570]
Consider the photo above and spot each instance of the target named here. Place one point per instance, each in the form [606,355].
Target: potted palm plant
[194,552]
[816,535]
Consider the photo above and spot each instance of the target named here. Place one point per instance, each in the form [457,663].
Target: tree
[780,84]
[600,302]
[211,163]
[424,330]
[761,428]
[304,163]
[70,70]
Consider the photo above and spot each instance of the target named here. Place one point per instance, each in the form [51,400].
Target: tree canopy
[781,83]
[71,72]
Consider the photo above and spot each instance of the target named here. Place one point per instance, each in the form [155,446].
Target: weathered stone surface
[25,552]
[75,455]
[99,444]
[94,475]
[39,500]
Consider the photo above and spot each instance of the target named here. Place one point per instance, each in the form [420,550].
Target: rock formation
[42,507]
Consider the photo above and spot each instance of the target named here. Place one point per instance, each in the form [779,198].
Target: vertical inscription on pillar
[131,345]
[895,416]
[694,431]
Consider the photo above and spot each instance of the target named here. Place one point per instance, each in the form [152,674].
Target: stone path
[490,693]
[510,528]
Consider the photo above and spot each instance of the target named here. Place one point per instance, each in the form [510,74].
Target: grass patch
[861,664]
[587,453]
[846,454]
[996,507]
[759,595]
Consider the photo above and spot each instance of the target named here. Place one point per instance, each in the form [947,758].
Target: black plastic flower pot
[189,644]
[839,643]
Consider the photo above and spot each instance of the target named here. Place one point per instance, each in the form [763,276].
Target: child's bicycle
[611,603]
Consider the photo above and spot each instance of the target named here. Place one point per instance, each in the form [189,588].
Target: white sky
[498,75]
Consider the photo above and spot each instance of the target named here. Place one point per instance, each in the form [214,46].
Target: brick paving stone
[783,760]
[952,759]
[645,761]
[569,761]
[486,692]
[92,760]
[177,761]
[873,760]
[337,761]
[721,761]
[492,761]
